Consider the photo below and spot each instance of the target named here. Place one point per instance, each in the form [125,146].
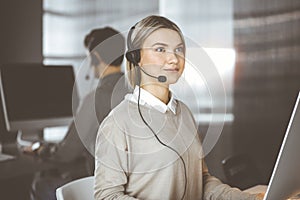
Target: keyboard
[4,157]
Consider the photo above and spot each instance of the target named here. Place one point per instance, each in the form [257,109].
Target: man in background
[75,154]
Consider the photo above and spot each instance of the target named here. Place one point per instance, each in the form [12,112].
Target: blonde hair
[139,33]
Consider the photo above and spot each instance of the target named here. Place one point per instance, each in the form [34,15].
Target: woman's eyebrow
[163,44]
[159,44]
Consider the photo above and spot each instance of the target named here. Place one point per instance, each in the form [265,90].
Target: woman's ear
[140,58]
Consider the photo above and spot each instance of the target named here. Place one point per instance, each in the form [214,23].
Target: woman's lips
[172,70]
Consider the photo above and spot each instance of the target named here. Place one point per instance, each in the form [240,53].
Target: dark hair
[109,43]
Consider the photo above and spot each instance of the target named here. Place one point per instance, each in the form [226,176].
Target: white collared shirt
[146,98]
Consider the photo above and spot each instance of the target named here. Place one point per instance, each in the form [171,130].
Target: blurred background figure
[75,154]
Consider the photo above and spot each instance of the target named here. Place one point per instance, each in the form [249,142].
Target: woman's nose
[172,57]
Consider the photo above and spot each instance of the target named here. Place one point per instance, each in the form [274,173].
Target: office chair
[77,190]
[240,171]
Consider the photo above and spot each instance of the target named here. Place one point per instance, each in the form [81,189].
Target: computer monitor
[35,96]
[285,179]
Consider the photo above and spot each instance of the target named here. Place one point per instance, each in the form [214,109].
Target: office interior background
[254,44]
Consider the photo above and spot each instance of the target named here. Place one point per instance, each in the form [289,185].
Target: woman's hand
[260,196]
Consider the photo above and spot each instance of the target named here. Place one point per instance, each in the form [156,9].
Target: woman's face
[162,53]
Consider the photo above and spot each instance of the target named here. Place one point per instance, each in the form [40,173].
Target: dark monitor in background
[35,97]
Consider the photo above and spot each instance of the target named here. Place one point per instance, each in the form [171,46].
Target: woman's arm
[111,171]
[214,189]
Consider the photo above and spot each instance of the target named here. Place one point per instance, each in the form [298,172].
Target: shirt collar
[146,98]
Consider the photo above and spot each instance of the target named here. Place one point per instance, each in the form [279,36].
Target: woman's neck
[159,91]
[110,70]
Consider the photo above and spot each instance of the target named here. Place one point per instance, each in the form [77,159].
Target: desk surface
[21,165]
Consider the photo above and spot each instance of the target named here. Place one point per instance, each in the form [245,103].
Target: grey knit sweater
[132,164]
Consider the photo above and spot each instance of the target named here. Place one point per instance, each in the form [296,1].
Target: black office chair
[240,171]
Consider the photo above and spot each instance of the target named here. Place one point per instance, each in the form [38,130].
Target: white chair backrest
[77,190]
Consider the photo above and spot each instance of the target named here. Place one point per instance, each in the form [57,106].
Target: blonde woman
[148,146]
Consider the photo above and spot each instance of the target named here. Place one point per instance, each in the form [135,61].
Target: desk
[16,175]
[21,165]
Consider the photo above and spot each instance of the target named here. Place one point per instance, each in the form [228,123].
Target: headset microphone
[161,78]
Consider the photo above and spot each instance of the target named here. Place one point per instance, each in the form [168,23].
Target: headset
[94,60]
[134,56]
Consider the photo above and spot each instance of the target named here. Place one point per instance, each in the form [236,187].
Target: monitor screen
[36,96]
[285,179]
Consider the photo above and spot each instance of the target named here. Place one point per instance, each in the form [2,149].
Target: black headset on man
[134,56]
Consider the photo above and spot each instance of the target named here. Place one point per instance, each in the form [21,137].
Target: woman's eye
[179,50]
[160,49]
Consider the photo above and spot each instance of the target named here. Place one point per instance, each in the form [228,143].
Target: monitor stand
[25,138]
[28,137]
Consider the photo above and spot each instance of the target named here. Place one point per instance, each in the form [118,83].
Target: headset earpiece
[132,55]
